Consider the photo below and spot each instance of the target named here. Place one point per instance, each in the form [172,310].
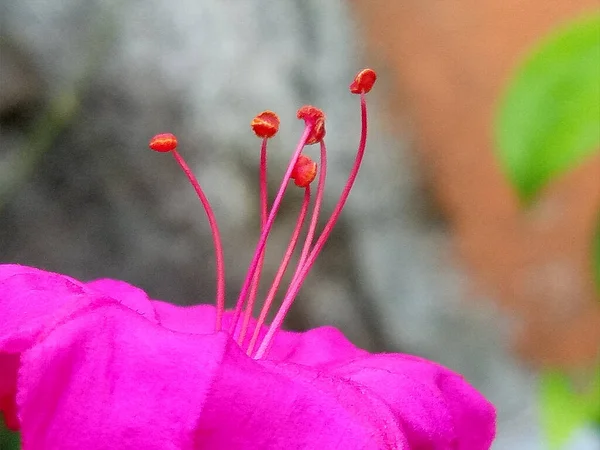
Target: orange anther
[304,171]
[316,117]
[164,142]
[265,124]
[363,81]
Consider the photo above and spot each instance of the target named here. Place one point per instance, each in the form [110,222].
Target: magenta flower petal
[437,407]
[199,319]
[31,300]
[314,348]
[311,348]
[284,405]
[131,296]
[144,386]
[154,375]
[112,379]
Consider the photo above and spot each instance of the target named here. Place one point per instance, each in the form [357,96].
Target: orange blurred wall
[447,63]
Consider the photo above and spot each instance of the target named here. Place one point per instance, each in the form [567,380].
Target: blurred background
[435,253]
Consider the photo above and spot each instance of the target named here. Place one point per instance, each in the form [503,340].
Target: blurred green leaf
[564,409]
[549,118]
[8,439]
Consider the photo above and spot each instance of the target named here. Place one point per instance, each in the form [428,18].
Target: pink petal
[311,348]
[293,406]
[130,296]
[314,348]
[437,408]
[154,375]
[110,379]
[33,302]
[199,319]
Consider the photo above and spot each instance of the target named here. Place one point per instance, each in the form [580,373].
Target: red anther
[164,142]
[318,133]
[309,112]
[304,171]
[363,81]
[265,125]
[316,117]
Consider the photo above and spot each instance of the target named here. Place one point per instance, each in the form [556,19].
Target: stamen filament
[215,234]
[305,249]
[317,208]
[281,270]
[265,233]
[263,220]
[296,284]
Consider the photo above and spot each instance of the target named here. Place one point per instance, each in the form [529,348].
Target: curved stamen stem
[265,233]
[216,238]
[297,282]
[305,249]
[316,210]
[281,271]
[263,220]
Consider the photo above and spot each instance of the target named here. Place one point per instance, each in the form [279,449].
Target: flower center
[302,170]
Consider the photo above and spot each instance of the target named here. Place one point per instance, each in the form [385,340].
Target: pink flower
[99,365]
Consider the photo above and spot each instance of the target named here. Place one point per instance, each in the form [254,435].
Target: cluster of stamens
[302,170]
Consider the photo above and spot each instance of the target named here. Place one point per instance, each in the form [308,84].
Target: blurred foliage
[61,111]
[565,408]
[8,439]
[63,105]
[548,120]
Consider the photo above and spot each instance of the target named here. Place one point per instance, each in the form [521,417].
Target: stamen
[164,142]
[304,172]
[308,129]
[305,249]
[317,114]
[310,113]
[265,125]
[316,210]
[363,83]
[281,270]
[167,142]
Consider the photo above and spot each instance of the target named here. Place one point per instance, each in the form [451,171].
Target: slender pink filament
[265,233]
[281,271]
[297,282]
[216,238]
[263,221]
[316,210]
[305,249]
